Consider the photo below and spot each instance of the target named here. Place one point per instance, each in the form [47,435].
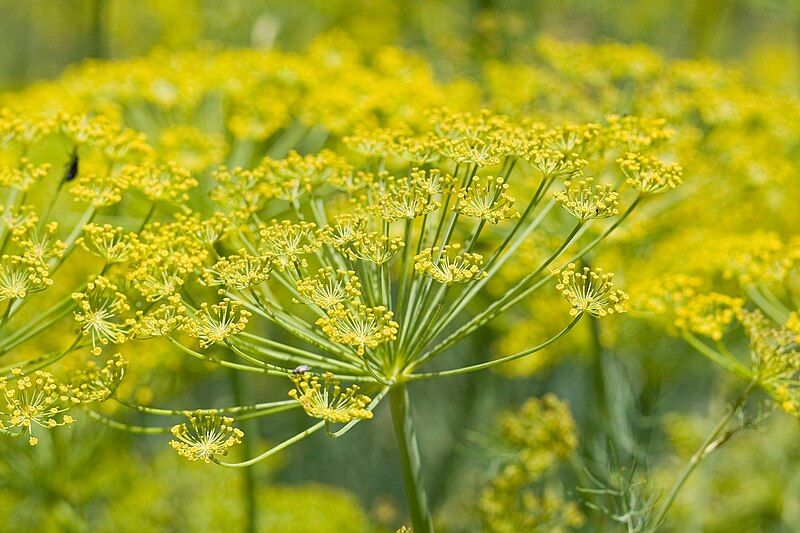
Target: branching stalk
[702,452]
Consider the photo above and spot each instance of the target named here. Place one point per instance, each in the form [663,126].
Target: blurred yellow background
[42,37]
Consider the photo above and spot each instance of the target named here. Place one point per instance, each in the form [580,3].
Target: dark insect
[71,168]
[302,369]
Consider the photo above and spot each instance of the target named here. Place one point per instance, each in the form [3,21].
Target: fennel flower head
[345,268]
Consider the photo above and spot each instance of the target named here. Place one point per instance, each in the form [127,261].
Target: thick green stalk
[410,463]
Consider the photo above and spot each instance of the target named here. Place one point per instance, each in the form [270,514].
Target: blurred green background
[40,38]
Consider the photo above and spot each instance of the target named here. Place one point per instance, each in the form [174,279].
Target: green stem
[222,362]
[42,320]
[409,459]
[88,215]
[601,393]
[275,449]
[249,410]
[493,265]
[248,477]
[7,312]
[150,212]
[509,298]
[597,240]
[775,310]
[498,361]
[701,454]
[727,363]
[125,427]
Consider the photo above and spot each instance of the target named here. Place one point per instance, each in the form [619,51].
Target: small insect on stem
[302,369]
[71,168]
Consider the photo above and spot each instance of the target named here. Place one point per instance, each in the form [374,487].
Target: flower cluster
[217,322]
[586,201]
[20,276]
[327,400]
[109,243]
[486,199]
[99,313]
[330,289]
[539,436]
[359,325]
[385,248]
[448,265]
[35,400]
[99,383]
[238,271]
[775,359]
[707,314]
[591,291]
[205,437]
[648,175]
